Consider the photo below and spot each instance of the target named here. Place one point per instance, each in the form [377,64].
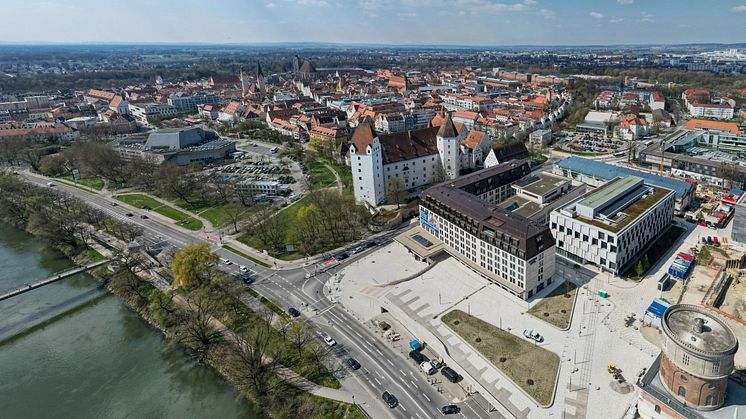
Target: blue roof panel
[657,308]
[608,172]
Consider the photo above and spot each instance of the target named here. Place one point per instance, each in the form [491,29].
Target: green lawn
[528,365]
[143,201]
[92,183]
[287,217]
[244,255]
[556,308]
[321,176]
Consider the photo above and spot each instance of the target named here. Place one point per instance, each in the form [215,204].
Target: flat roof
[521,206]
[715,337]
[541,183]
[630,213]
[608,171]
[609,191]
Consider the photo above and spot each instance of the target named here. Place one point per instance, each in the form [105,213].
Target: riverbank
[261,347]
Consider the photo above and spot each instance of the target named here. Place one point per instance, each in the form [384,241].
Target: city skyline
[385,22]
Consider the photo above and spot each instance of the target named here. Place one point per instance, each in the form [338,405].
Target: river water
[71,350]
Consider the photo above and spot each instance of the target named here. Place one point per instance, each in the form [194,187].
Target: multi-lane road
[383,369]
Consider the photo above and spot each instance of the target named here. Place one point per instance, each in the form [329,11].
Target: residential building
[188,103]
[506,152]
[612,225]
[143,111]
[540,138]
[39,133]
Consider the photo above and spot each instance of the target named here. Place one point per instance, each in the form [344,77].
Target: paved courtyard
[601,331]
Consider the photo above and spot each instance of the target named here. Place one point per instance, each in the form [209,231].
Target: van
[449,374]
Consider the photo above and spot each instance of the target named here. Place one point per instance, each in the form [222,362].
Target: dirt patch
[556,308]
[529,366]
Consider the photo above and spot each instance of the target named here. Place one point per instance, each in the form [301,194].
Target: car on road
[704,240]
[715,241]
[450,374]
[293,312]
[50,185]
[370,244]
[144,217]
[449,409]
[418,357]
[243,268]
[129,214]
[709,240]
[357,250]
[342,256]
[390,399]
[114,204]
[353,363]
[329,341]
[226,261]
[427,367]
[535,336]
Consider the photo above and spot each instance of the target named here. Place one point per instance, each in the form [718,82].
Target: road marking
[358,334]
[425,395]
[381,375]
[379,352]
[378,381]
[390,363]
[403,408]
[418,415]
[415,385]
[402,373]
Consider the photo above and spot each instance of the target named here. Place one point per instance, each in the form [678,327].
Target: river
[71,350]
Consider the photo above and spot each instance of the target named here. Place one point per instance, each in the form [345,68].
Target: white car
[535,336]
[329,341]
[226,261]
[243,268]
[427,367]
[50,185]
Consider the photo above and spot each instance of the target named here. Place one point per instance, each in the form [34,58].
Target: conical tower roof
[448,129]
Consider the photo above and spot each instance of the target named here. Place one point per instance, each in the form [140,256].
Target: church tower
[260,79]
[448,148]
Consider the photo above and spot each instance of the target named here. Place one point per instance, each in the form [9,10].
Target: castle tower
[448,148]
[697,356]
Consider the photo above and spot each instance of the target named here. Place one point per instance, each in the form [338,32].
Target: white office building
[612,225]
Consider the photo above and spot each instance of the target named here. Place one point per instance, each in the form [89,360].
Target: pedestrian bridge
[54,278]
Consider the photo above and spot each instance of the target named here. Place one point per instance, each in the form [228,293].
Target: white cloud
[548,14]
[646,17]
[615,19]
[597,15]
[313,3]
[407,15]
[529,2]
[270,6]
[625,2]
[739,9]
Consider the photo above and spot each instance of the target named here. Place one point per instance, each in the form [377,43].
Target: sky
[423,22]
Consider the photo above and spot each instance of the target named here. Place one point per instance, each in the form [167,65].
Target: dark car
[704,240]
[449,409]
[129,214]
[370,244]
[342,256]
[293,312]
[389,399]
[709,240]
[418,357]
[144,217]
[353,364]
[450,374]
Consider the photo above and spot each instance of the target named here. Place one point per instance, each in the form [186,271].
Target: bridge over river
[54,278]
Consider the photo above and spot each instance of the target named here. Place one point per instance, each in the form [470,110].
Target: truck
[681,266]
[415,345]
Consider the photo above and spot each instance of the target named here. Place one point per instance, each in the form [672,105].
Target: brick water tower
[697,356]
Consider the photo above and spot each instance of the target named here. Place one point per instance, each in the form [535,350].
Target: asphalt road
[382,369]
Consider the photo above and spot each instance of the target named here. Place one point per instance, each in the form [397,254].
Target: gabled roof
[473,139]
[408,145]
[447,129]
[363,137]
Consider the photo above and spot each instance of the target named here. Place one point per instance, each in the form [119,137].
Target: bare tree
[197,330]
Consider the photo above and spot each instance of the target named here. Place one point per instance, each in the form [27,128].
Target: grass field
[140,201]
[556,308]
[529,366]
[92,183]
[242,254]
[321,176]
[287,218]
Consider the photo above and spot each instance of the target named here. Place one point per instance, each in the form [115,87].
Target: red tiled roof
[473,139]
[362,137]
[698,124]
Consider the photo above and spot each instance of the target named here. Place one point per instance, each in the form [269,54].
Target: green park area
[146,202]
[93,183]
[529,366]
